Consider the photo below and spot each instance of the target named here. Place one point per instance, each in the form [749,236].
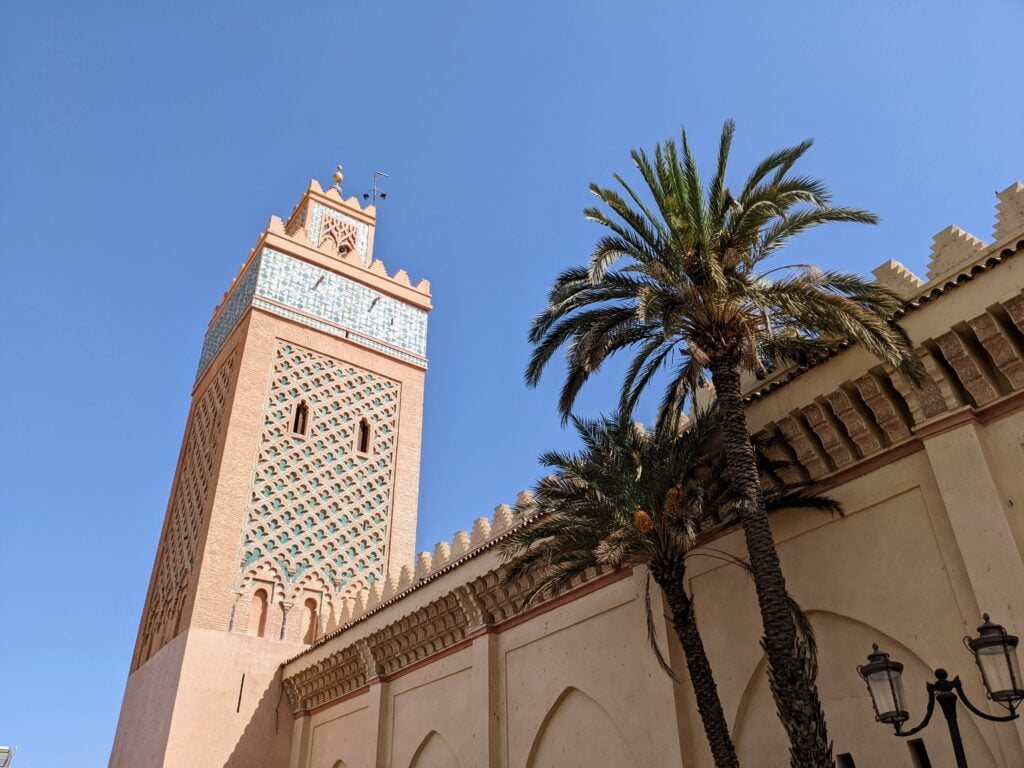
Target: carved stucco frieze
[433,628]
[856,425]
[831,440]
[966,368]
[773,450]
[1000,348]
[1015,309]
[812,460]
[477,615]
[331,678]
[880,402]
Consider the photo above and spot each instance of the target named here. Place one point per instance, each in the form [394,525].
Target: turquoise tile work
[236,303]
[323,300]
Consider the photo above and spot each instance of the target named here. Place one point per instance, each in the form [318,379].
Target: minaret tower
[296,486]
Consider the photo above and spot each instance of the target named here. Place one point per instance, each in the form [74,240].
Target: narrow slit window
[919,754]
[300,421]
[363,438]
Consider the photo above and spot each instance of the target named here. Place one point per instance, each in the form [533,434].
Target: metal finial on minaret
[338,178]
[375,193]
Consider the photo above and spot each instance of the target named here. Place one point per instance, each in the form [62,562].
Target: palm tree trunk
[708,704]
[789,669]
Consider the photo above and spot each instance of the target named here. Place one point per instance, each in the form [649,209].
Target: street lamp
[995,653]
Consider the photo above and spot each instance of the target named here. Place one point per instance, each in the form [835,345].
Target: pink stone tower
[295,490]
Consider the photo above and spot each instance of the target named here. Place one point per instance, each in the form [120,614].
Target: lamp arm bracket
[927,716]
[984,715]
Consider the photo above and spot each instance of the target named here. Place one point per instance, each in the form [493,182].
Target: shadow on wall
[266,741]
[842,641]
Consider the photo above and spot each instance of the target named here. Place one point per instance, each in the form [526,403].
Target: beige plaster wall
[187,705]
[932,484]
[443,667]
[572,686]
[577,684]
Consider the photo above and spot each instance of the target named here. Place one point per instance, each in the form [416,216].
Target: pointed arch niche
[434,752]
[578,732]
[843,643]
[300,418]
[364,436]
[258,612]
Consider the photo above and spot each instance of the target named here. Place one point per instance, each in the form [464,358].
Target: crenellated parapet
[952,249]
[1009,213]
[318,269]
[956,256]
[831,421]
[454,595]
[969,336]
[898,279]
[446,556]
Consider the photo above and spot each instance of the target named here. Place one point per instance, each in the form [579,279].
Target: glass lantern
[995,653]
[884,679]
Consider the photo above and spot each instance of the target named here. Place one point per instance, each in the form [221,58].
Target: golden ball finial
[338,177]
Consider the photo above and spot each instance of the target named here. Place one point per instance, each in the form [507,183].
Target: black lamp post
[995,653]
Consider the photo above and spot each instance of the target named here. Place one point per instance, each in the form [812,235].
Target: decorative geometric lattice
[321,218]
[338,236]
[320,509]
[162,617]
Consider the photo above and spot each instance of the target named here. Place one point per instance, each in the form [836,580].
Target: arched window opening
[258,613]
[310,609]
[363,439]
[301,419]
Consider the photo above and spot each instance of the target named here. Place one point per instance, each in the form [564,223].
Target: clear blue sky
[145,144]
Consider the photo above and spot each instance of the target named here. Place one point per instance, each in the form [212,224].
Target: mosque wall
[441,665]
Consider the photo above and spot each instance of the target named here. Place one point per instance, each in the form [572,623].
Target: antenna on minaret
[374,193]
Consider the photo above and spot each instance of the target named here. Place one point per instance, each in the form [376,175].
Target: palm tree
[682,279]
[633,497]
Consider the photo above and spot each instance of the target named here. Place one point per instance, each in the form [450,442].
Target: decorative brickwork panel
[321,501]
[185,518]
[326,221]
[337,236]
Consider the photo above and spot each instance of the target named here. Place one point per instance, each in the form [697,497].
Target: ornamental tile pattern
[234,307]
[185,518]
[323,300]
[337,299]
[320,510]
